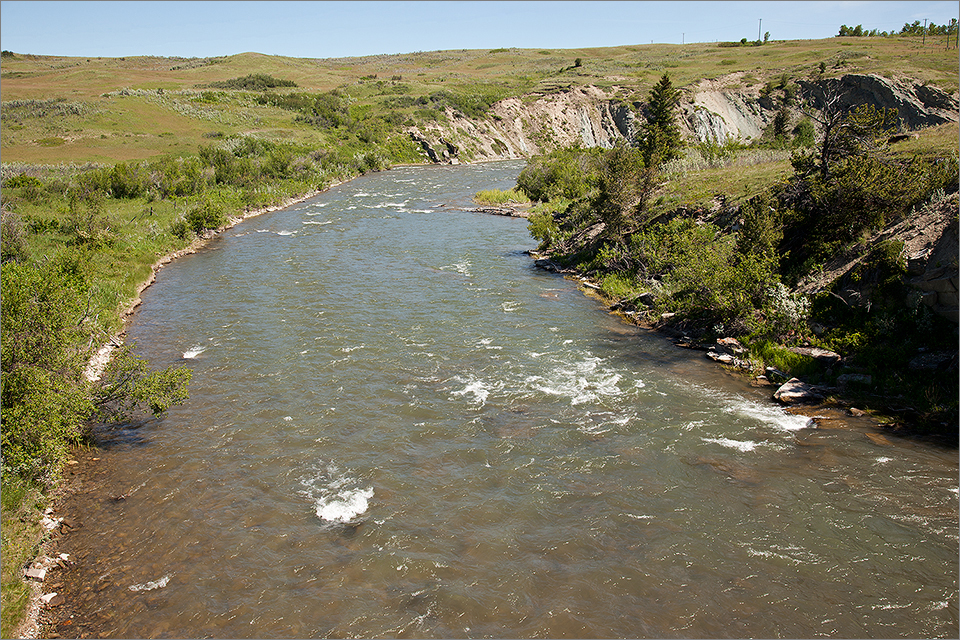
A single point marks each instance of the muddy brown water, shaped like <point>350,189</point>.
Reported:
<point>399,427</point>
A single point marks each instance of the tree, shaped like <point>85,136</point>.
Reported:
<point>766,37</point>
<point>780,123</point>
<point>660,136</point>
<point>845,133</point>
<point>46,399</point>
<point>621,188</point>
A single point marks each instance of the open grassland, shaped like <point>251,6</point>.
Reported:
<point>142,107</point>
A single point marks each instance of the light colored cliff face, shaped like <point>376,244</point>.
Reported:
<point>717,110</point>
<point>723,110</point>
<point>522,127</point>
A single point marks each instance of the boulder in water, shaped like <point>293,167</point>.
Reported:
<point>795,391</point>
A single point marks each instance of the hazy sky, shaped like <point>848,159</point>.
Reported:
<point>337,29</point>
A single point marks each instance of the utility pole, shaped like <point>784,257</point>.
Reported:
<point>683,39</point>
<point>759,29</point>
<point>924,32</point>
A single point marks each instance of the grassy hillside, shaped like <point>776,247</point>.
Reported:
<point>113,108</point>
<point>109,163</point>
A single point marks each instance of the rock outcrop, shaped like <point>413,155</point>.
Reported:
<point>521,127</point>
<point>918,105</point>
<point>717,110</point>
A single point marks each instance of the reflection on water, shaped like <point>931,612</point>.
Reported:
<point>398,427</point>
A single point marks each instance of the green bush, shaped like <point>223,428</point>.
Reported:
<point>44,394</point>
<point>206,215</point>
<point>127,180</point>
<point>13,237</point>
<point>701,274</point>
<point>253,82</point>
<point>568,173</point>
<point>21,181</point>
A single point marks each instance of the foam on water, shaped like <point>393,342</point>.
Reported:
<point>475,387</point>
<point>461,267</point>
<point>584,381</point>
<point>193,352</point>
<point>740,445</point>
<point>150,586</point>
<point>772,415</point>
<point>768,414</point>
<point>337,496</point>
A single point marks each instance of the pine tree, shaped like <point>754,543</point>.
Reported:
<point>661,140</point>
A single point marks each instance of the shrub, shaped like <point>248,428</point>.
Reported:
<point>21,181</point>
<point>544,228</point>
<point>621,188</point>
<point>206,215</point>
<point>127,180</point>
<point>13,237</point>
<point>44,395</point>
<point>252,82</point>
<point>804,134</point>
<point>699,272</point>
<point>569,173</point>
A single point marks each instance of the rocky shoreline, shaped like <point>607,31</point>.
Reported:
<point>818,402</point>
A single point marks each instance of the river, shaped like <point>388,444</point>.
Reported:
<point>398,427</point>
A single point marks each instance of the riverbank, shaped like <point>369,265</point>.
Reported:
<point>100,360</point>
<point>792,393</point>
<point>48,559</point>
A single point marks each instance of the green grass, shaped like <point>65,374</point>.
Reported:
<point>769,354</point>
<point>100,131</point>
<point>22,506</point>
<point>498,196</point>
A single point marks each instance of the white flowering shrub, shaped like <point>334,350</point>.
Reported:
<point>788,310</point>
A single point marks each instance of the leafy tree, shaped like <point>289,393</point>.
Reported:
<point>44,395</point>
<point>47,329</point>
<point>845,133</point>
<point>660,136</point>
<point>621,188</point>
<point>128,385</point>
<point>569,173</point>
<point>761,231</point>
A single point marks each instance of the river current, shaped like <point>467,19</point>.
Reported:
<point>398,427</point>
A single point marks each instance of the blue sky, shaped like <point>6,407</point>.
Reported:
<point>340,29</point>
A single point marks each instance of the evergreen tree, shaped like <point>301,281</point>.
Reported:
<point>620,189</point>
<point>661,139</point>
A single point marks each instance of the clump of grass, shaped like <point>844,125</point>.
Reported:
<point>770,354</point>
<point>498,196</point>
<point>22,535</point>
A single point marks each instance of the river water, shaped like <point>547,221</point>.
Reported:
<point>398,427</point>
